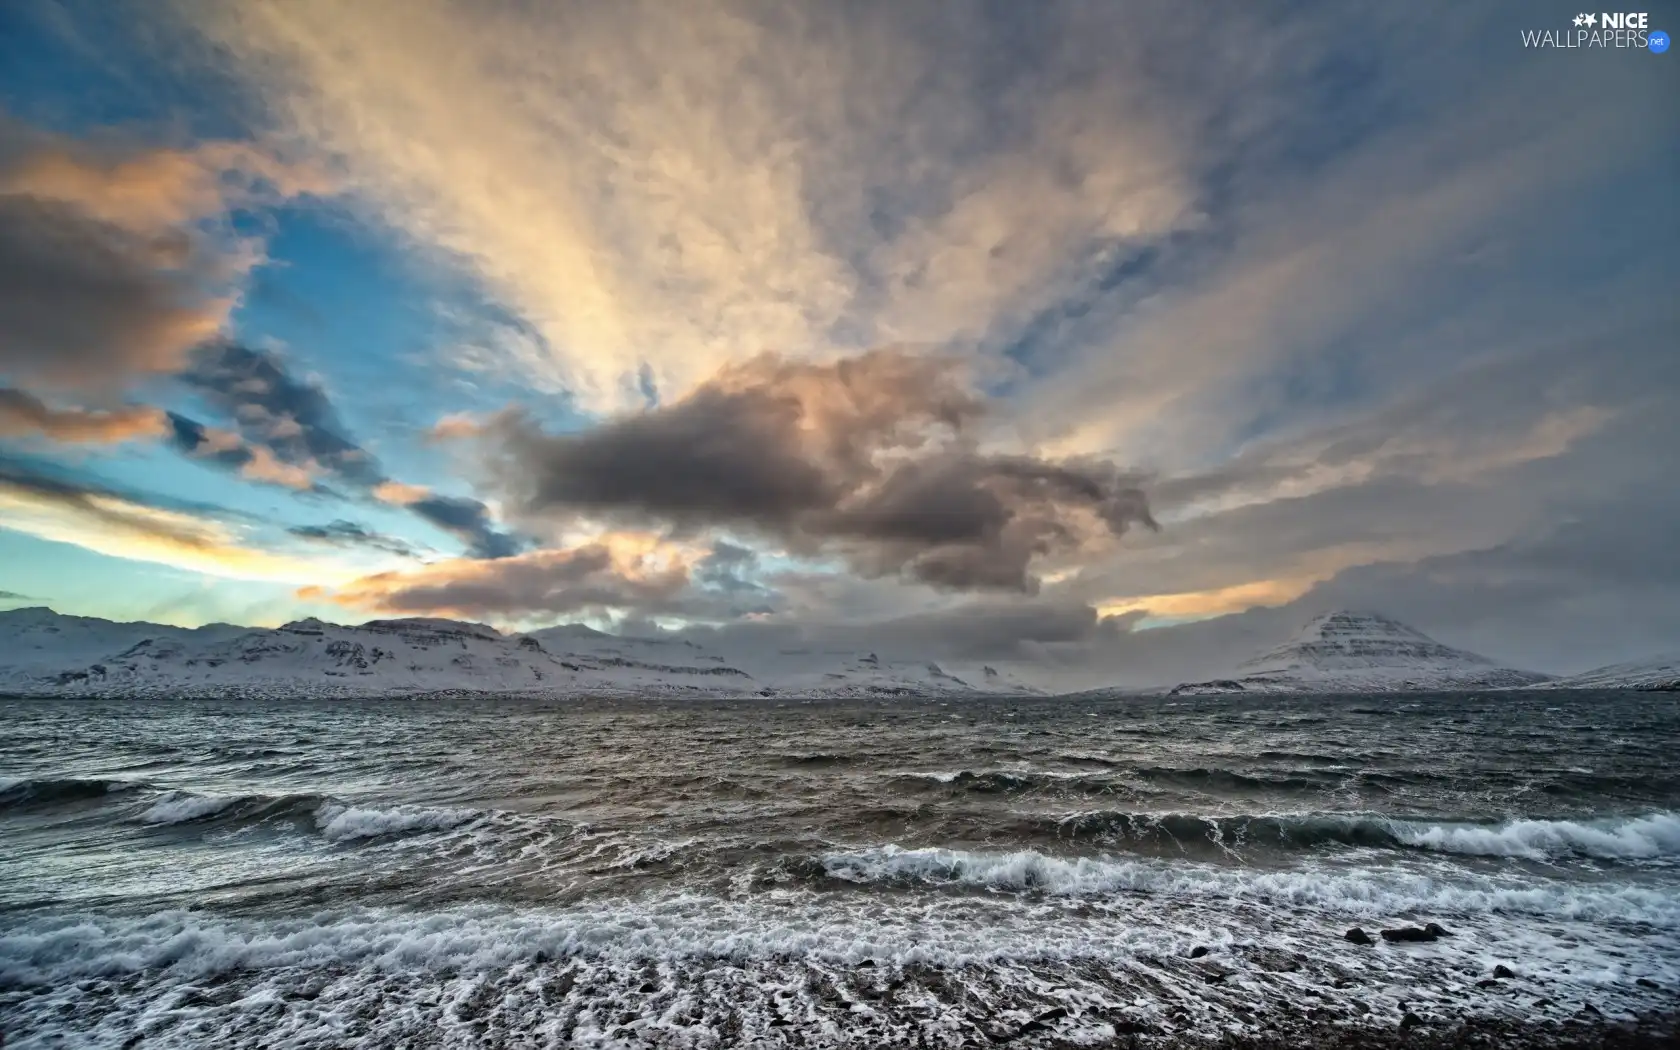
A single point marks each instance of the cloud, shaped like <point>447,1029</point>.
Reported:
<point>341,533</point>
<point>612,574</point>
<point>790,179</point>
<point>13,596</point>
<point>469,521</point>
<point>292,418</point>
<point>293,437</point>
<point>868,456</point>
<point>121,525</point>
<point>399,493</point>
<point>84,304</point>
<point>23,413</point>
<point>229,451</point>
<point>111,261</point>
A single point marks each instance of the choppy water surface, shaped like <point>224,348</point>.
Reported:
<point>389,873</point>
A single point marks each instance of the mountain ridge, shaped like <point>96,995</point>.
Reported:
<point>45,652</point>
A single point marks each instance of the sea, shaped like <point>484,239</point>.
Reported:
<point>523,872</point>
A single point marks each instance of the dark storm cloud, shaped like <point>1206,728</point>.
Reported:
<point>341,533</point>
<point>85,303</point>
<point>292,417</point>
<point>469,521</point>
<point>870,456</point>
<point>13,596</point>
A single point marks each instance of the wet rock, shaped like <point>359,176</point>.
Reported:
<point>1589,1008</point>
<point>1502,971</point>
<point>648,988</point>
<point>1541,1003</point>
<point>1127,1026</point>
<point>1357,936</point>
<point>1198,951</point>
<point>1409,934</point>
<point>867,964</point>
<point>132,1041</point>
<point>1436,929</point>
<point>1411,1020</point>
<point>1216,978</point>
<point>1646,982</point>
<point>1041,1022</point>
<point>1487,982</point>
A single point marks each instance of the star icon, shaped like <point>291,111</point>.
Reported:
<point>1580,20</point>
<point>1592,20</point>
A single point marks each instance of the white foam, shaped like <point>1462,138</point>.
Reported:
<point>179,807</point>
<point>1638,838</point>
<point>741,961</point>
<point>340,823</point>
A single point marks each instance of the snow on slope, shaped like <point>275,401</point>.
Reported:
<point>1364,652</point>
<point>43,652</point>
<point>1662,675</point>
<point>820,673</point>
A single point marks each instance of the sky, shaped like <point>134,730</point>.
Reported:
<point>1103,337</point>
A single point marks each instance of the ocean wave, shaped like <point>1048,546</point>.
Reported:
<point>179,807</point>
<point>335,820</point>
<point>1636,838</point>
<point>340,823</point>
<point>1639,838</point>
<point>26,793</point>
<point>1370,893</point>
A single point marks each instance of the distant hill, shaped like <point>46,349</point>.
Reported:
<point>1348,651</point>
<point>1661,675</point>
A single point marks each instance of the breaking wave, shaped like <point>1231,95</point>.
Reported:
<point>340,823</point>
<point>335,820</point>
<point>1642,838</point>
<point>1638,838</point>
<point>1361,894</point>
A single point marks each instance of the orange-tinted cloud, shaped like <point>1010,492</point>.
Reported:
<point>115,260</point>
<point>615,572</point>
<point>23,413</point>
<point>121,526</point>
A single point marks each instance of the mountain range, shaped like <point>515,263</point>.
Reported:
<point>44,652</point>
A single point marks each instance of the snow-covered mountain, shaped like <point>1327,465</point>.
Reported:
<point>44,652</point>
<point>1662,675</point>
<point>1363,652</point>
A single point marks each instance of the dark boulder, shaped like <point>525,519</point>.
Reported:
<point>1502,971</point>
<point>1198,951</point>
<point>1409,934</point>
<point>1358,936</point>
<point>1411,1020</point>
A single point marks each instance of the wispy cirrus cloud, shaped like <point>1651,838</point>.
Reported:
<point>792,180</point>
<point>125,525</point>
